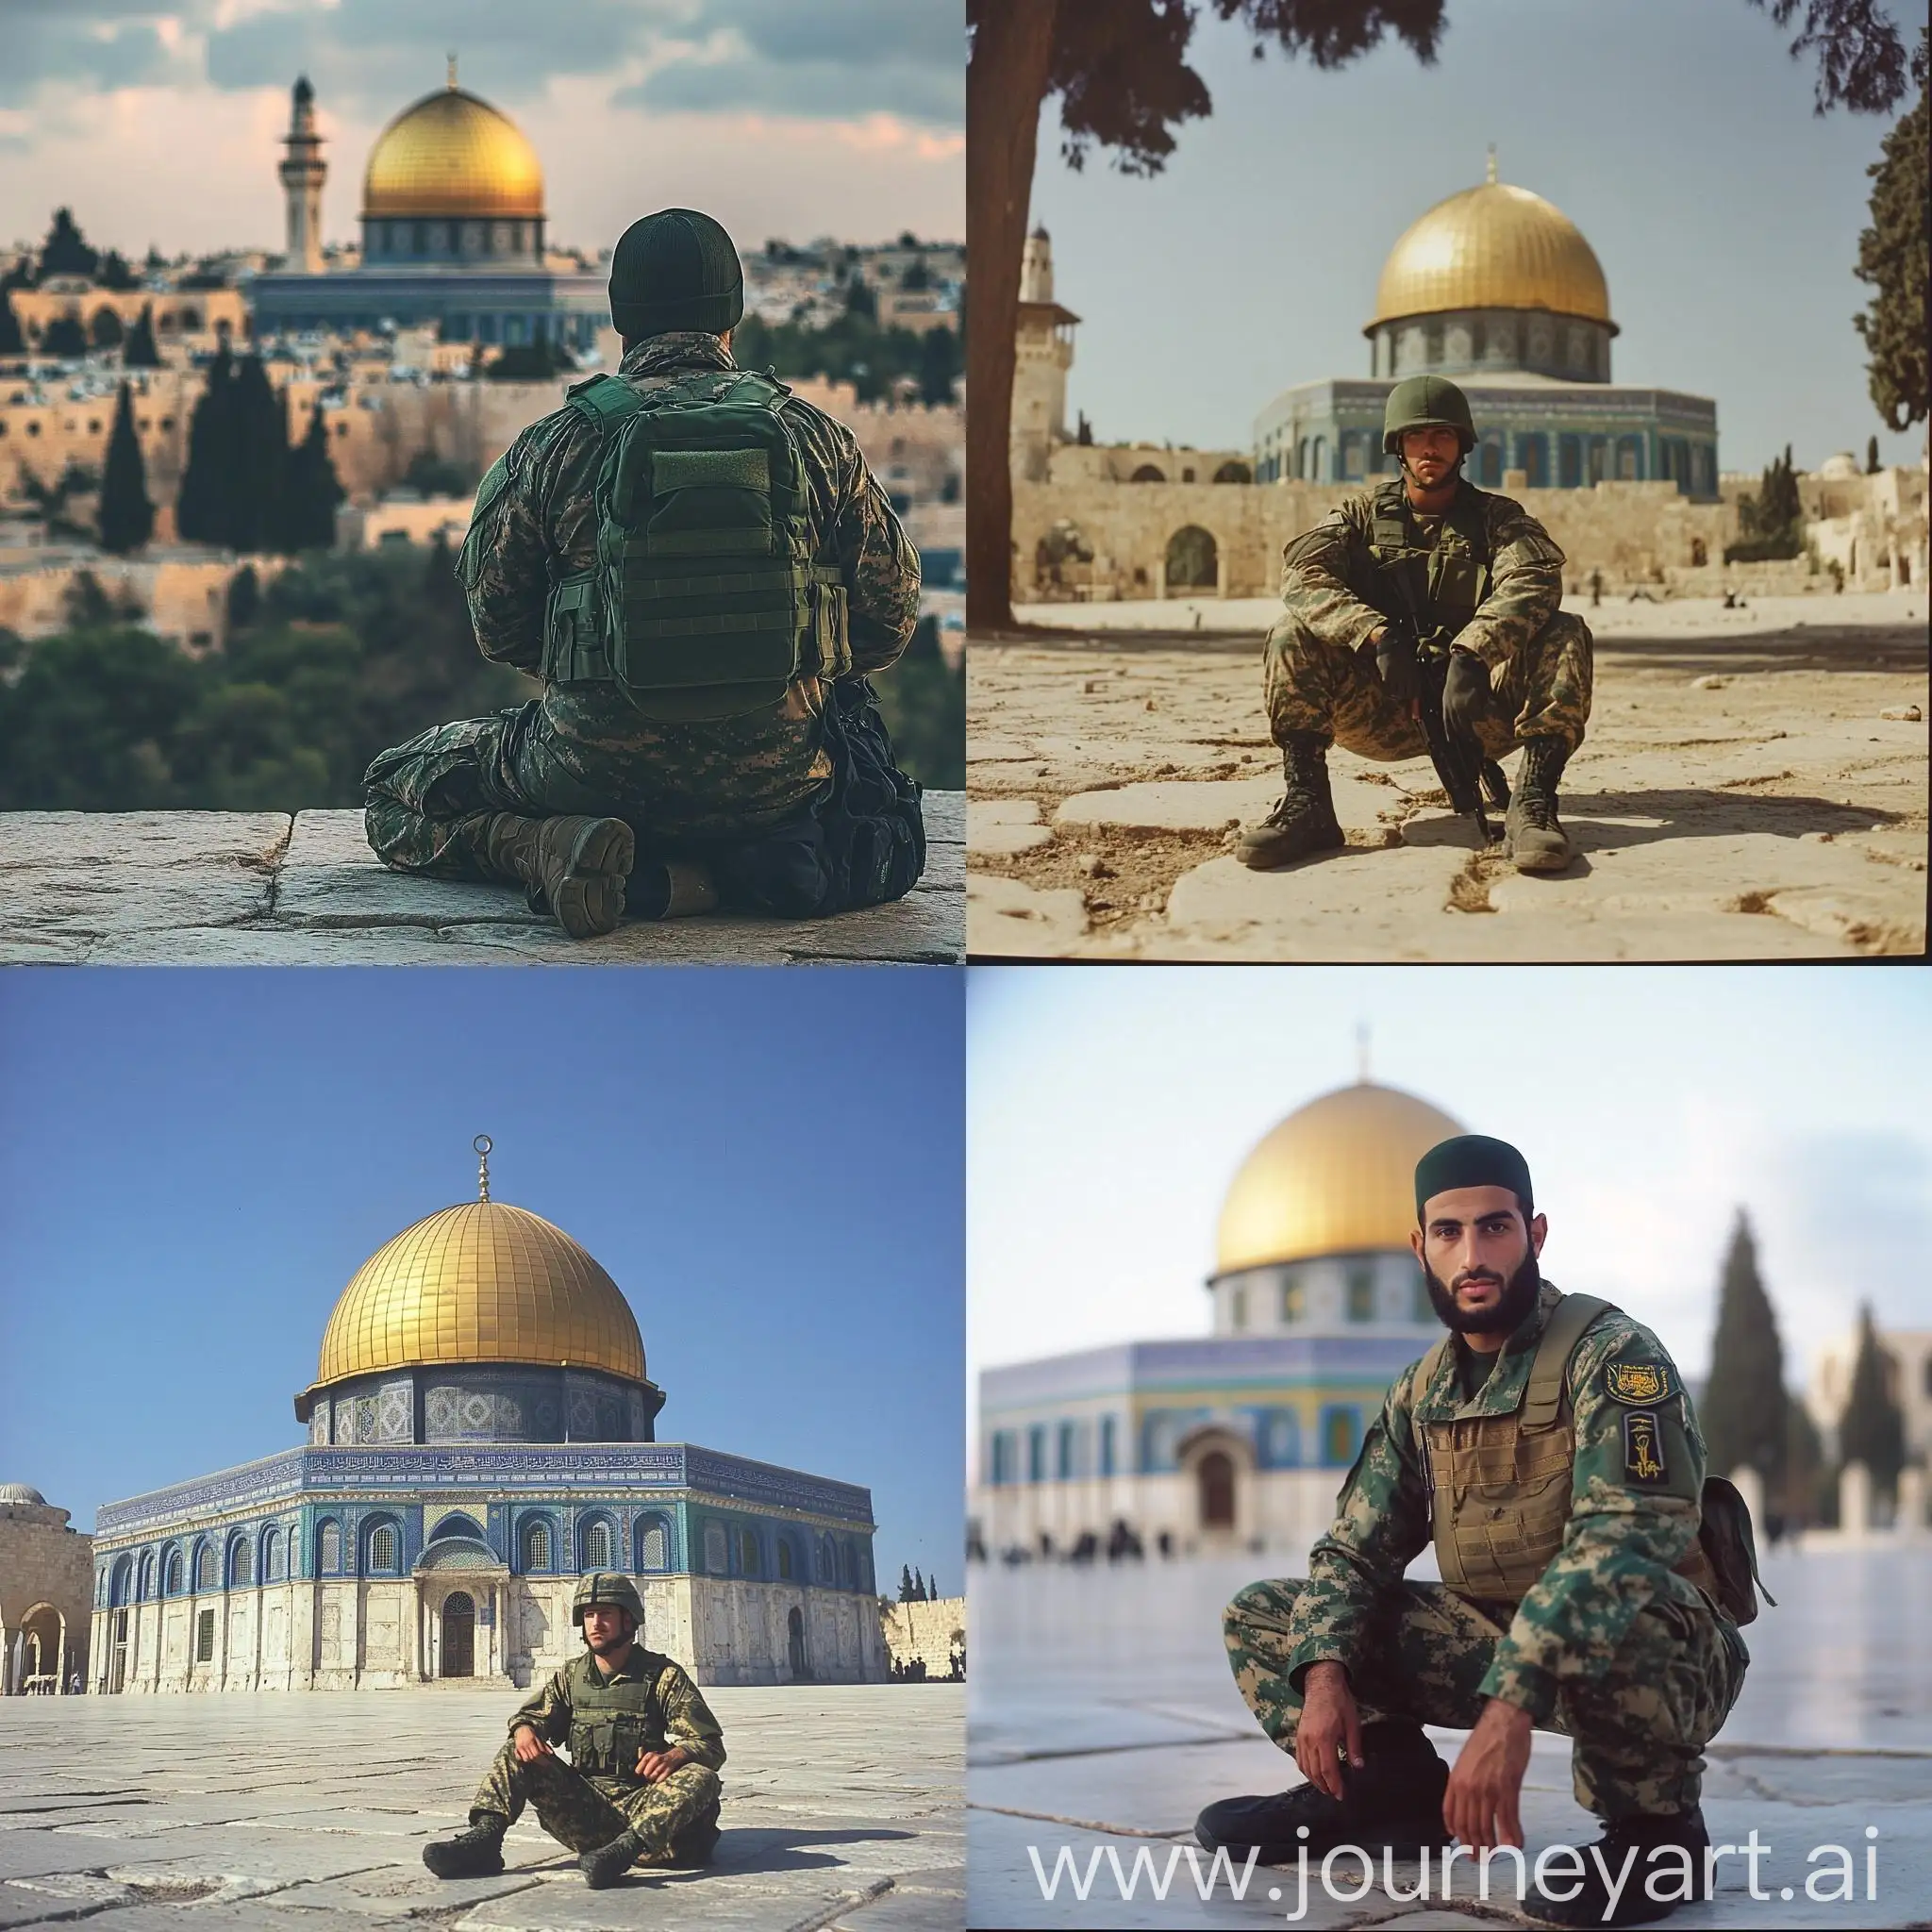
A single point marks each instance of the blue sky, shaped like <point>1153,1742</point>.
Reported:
<point>1680,138</point>
<point>1109,1110</point>
<point>768,1163</point>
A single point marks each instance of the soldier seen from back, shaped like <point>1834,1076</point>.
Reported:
<point>641,1783</point>
<point>1592,1584</point>
<point>701,570</point>
<point>1425,590</point>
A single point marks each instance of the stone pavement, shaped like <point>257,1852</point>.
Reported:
<point>1102,1718</point>
<point>307,1813</point>
<point>263,888</point>
<point>1754,786</point>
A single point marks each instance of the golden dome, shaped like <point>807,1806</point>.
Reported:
<point>1336,1177</point>
<point>453,154</point>
<point>1492,246</point>
<point>483,1282</point>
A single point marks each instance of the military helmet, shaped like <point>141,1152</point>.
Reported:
<point>606,1587</point>
<point>1425,402</point>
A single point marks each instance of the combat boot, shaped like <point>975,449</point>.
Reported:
<point>473,1853</point>
<point>1304,821</point>
<point>1394,1799</point>
<point>609,1863</point>
<point>574,866</point>
<point>1531,835</point>
<point>1632,1839</point>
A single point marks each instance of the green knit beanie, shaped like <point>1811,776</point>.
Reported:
<point>674,270</point>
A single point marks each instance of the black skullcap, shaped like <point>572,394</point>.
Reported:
<point>674,270</point>
<point>1471,1160</point>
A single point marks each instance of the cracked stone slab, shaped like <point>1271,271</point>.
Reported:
<point>1364,806</point>
<point>331,879</point>
<point>1006,917</point>
<point>999,828</point>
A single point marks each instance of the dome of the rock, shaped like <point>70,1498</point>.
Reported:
<point>452,154</point>
<point>1337,1177</point>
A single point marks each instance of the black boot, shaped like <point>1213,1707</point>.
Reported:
<point>473,1853</point>
<point>574,865</point>
<point>1531,835</point>
<point>1635,1906</point>
<point>1394,1799</point>
<point>609,1863</point>
<point>1304,821</point>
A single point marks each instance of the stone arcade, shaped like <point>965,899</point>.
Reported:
<point>481,1429</point>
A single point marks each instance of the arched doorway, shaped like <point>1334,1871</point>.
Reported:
<point>458,1635</point>
<point>1194,561</point>
<point>40,1649</point>
<point>1214,1481</point>
<point>795,1644</point>
<point>1147,473</point>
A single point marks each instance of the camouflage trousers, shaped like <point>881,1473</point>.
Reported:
<point>1333,691</point>
<point>676,1817</point>
<point>1639,1727</point>
<point>583,748</point>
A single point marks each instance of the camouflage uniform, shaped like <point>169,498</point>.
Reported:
<point>675,1817</point>
<point>1611,1646</point>
<point>583,748</point>
<point>1320,669</point>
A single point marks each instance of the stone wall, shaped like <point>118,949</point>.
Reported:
<point>928,1633</point>
<point>184,596</point>
<point>46,1580</point>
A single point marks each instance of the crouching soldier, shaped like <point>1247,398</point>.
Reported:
<point>641,1783</point>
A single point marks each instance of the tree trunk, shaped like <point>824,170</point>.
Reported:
<point>1005,85</point>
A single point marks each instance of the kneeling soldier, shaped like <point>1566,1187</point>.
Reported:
<point>641,1783</point>
<point>1593,1581</point>
<point>1425,555</point>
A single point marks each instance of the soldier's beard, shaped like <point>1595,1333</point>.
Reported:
<point>1518,1298</point>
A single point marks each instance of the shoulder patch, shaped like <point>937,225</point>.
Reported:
<point>1644,1448</point>
<point>1638,1383</point>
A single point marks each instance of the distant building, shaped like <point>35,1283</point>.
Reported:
<point>1238,1438</point>
<point>1908,1376</point>
<point>46,1570</point>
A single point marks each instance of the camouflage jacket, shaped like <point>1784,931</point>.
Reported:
<point>1619,1548</point>
<point>544,524</point>
<point>687,1720</point>
<point>1328,580</point>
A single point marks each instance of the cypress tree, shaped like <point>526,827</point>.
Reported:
<point>127,518</point>
<point>312,492</point>
<point>12,341</point>
<point>904,1583</point>
<point>1743,1407</point>
<point>139,351</point>
<point>1893,258</point>
<point>261,459</point>
<point>201,512</point>
<point>1871,1431</point>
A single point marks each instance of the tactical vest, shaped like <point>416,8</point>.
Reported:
<point>706,600</point>
<point>1438,588</point>
<point>1499,1485</point>
<point>612,1720</point>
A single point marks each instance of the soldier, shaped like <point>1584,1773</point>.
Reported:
<point>641,1783</point>
<point>701,568</point>
<point>1439,557</point>
<point>1548,1445</point>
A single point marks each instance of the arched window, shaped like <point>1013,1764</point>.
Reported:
<point>384,1550</point>
<point>596,1547</point>
<point>147,1576</point>
<point>747,1553</point>
<point>271,1557</point>
<point>785,1560</point>
<point>330,1560</point>
<point>455,1525</point>
<point>206,1571</point>
<point>1215,1477</point>
<point>1193,559</point>
<point>240,1564</point>
<point>828,1562</point>
<point>536,1546</point>
<point>173,1574</point>
<point>654,1545</point>
<point>717,1556</point>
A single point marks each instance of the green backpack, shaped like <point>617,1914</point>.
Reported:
<point>706,600</point>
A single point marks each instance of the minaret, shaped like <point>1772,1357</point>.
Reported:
<point>302,173</point>
<point>1042,355</point>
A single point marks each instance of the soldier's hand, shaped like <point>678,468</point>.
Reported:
<point>1480,1805</point>
<point>1395,665</point>
<point>1331,1727</point>
<point>653,1767</point>
<point>529,1746</point>
<point>1465,692</point>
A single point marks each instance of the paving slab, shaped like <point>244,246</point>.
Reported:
<point>1005,826</point>
<point>261,888</point>
<point>310,1810</point>
<point>1742,793</point>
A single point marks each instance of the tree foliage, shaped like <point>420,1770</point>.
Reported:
<point>1773,521</point>
<point>139,350</point>
<point>1861,56</point>
<point>1894,257</point>
<point>243,488</point>
<point>854,349</point>
<point>311,491</point>
<point>64,338</point>
<point>1871,1430</point>
<point>65,251</point>
<point>1743,1407</point>
<point>12,341</point>
<point>127,516</point>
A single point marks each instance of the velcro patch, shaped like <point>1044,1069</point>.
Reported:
<point>1638,1382</point>
<point>1644,1447</point>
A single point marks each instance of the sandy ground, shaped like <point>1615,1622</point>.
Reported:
<point>1754,786</point>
